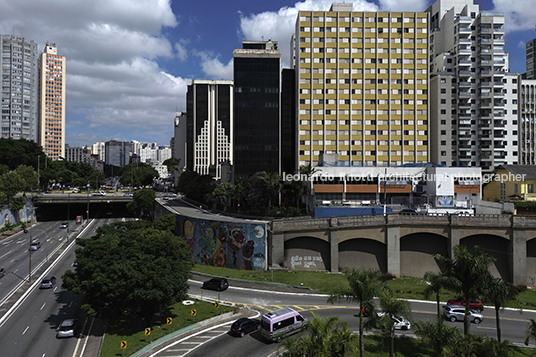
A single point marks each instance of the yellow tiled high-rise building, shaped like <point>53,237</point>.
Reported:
<point>362,86</point>
<point>51,134</point>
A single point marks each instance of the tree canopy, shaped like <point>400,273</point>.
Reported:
<point>21,152</point>
<point>137,174</point>
<point>136,268</point>
<point>142,204</point>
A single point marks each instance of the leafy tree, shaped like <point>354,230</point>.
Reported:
<point>435,283</point>
<point>30,180</point>
<point>21,152</point>
<point>498,292</point>
<point>323,338</point>
<point>130,268</point>
<point>531,332</point>
<point>467,273</point>
<point>392,307</point>
<point>137,174</point>
<point>11,183</point>
<point>479,346</point>
<point>142,204</point>
<point>194,186</point>
<point>436,334</point>
<point>365,284</point>
<point>224,192</point>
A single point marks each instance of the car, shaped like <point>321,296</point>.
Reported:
<point>457,312</point>
<point>35,245</point>
<point>408,210</point>
<point>217,284</point>
<point>2,272</point>
<point>127,194</point>
<point>243,326</point>
<point>473,304</point>
<point>47,283</point>
<point>64,225</point>
<point>400,322</point>
<point>66,328</point>
<point>100,193</point>
<point>76,190</point>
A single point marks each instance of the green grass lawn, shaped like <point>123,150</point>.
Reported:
<point>132,330</point>
<point>327,283</point>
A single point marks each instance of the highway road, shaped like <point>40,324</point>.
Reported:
<point>30,330</point>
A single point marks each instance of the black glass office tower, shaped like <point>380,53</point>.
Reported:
<point>257,108</point>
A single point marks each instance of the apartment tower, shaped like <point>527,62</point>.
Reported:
<point>471,124</point>
<point>209,124</point>
<point>52,102</point>
<point>19,87</point>
<point>257,103</point>
<point>362,86</point>
<point>530,51</point>
<point>527,121</point>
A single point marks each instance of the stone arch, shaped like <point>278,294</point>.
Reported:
<point>497,247</point>
<point>417,252</point>
<point>362,253</point>
<point>307,253</point>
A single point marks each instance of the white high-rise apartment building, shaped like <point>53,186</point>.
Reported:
<point>52,102</point>
<point>527,121</point>
<point>472,119</point>
<point>18,62</point>
<point>99,149</point>
<point>362,86</point>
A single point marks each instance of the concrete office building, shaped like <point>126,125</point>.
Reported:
<point>19,87</point>
<point>530,51</point>
<point>117,153</point>
<point>179,139</point>
<point>78,154</point>
<point>527,121</point>
<point>471,124</point>
<point>209,127</point>
<point>51,135</point>
<point>99,149</point>
<point>257,108</point>
<point>362,86</point>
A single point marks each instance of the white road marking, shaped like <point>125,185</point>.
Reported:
<point>5,254</point>
<point>7,242</point>
<point>43,306</point>
<point>26,329</point>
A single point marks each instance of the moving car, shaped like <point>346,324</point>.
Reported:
<point>217,284</point>
<point>243,326</point>
<point>66,328</point>
<point>473,304</point>
<point>47,283</point>
<point>2,272</point>
<point>281,323</point>
<point>457,312</point>
<point>35,245</point>
<point>400,322</point>
<point>64,225</point>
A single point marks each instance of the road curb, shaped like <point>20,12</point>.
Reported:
<point>265,283</point>
<point>190,329</point>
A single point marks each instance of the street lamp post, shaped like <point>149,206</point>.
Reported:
<point>87,211</point>
<point>68,212</point>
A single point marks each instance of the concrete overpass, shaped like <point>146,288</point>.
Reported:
<point>403,244</point>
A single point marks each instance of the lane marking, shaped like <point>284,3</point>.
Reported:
<point>5,254</point>
<point>43,306</point>
<point>26,329</point>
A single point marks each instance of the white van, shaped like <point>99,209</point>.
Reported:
<point>280,323</point>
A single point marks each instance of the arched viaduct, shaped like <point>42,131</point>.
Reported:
<point>404,245</point>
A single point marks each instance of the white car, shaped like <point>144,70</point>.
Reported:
<point>457,312</point>
<point>100,193</point>
<point>400,322</point>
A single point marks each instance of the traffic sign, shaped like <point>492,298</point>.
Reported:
<point>147,331</point>
<point>217,304</point>
<point>169,320</point>
<point>193,312</point>
<point>123,345</point>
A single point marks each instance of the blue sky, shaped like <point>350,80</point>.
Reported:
<point>129,61</point>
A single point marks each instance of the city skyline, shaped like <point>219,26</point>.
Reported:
<point>127,70</point>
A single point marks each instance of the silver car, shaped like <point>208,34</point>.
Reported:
<point>457,312</point>
<point>35,245</point>
<point>66,328</point>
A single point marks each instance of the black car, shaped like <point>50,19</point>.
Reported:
<point>243,326</point>
<point>48,283</point>
<point>217,284</point>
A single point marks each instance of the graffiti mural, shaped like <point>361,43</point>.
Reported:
<point>234,245</point>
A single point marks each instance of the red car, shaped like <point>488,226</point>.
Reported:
<point>473,304</point>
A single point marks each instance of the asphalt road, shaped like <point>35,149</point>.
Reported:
<point>31,329</point>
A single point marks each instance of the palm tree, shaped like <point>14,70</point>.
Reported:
<point>499,292</point>
<point>365,284</point>
<point>466,273</point>
<point>531,332</point>
<point>321,337</point>
<point>435,283</point>
<point>392,307</point>
<point>436,334</point>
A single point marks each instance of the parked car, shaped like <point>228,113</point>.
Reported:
<point>47,283</point>
<point>2,272</point>
<point>35,245</point>
<point>400,322</point>
<point>64,225</point>
<point>457,312</point>
<point>243,326</point>
<point>128,194</point>
<point>473,304</point>
<point>217,284</point>
<point>66,328</point>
